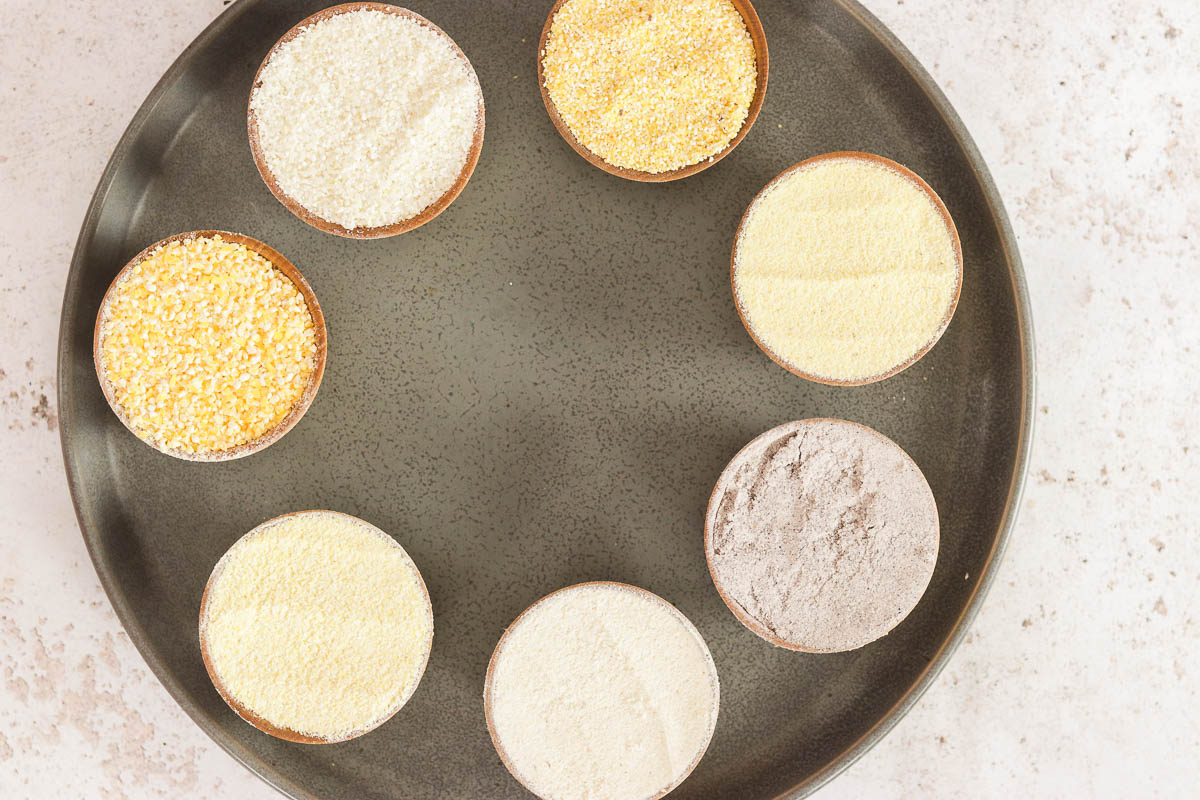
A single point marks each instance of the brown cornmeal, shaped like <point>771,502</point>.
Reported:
<point>650,85</point>
<point>822,535</point>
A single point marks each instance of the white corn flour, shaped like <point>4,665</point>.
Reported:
<point>366,118</point>
<point>602,692</point>
<point>319,623</point>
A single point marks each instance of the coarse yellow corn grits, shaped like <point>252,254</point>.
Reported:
<point>206,346</point>
<point>651,85</point>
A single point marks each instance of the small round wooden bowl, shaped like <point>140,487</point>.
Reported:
<point>280,263</point>
<point>752,624</point>
<point>487,683</point>
<point>904,172</point>
<point>379,231</point>
<point>762,64</point>
<point>256,720</point>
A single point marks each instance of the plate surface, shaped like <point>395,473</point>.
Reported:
<point>540,388</point>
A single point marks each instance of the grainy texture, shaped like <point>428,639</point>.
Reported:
<point>318,623</point>
<point>845,269</point>
<point>366,118</point>
<point>1051,99</point>
<point>600,691</point>
<point>651,85</point>
<point>823,533</point>
<point>206,346</point>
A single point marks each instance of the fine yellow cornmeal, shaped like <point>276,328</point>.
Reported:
<point>845,269</point>
<point>319,623</point>
<point>205,346</point>
<point>651,85</point>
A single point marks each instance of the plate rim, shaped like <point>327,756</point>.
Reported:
<point>1016,488</point>
<point>852,752</point>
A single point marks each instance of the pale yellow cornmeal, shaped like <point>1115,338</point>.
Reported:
<point>318,623</point>
<point>845,269</point>
<point>651,85</point>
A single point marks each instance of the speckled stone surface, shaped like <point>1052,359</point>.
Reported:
<point>1087,644</point>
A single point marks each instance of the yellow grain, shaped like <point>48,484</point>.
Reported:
<point>319,623</point>
<point>206,346</point>
<point>651,85</point>
<point>845,269</point>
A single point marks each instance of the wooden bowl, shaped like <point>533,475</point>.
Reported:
<point>916,180</point>
<point>314,308</point>
<point>256,720</point>
<point>379,231</point>
<point>487,683</point>
<point>752,624</point>
<point>762,64</point>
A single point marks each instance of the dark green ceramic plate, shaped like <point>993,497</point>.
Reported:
<point>540,387</point>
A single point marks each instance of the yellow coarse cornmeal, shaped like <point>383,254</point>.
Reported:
<point>651,85</point>
<point>205,346</point>
<point>845,269</point>
<point>319,623</point>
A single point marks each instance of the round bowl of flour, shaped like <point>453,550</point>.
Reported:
<point>821,535</point>
<point>316,627</point>
<point>846,268</point>
<point>601,690</point>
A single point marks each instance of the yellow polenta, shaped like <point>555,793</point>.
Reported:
<point>651,85</point>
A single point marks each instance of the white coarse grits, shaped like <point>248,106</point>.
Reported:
<point>602,691</point>
<point>366,118</point>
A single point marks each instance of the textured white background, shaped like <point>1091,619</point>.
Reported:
<point>1079,676</point>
